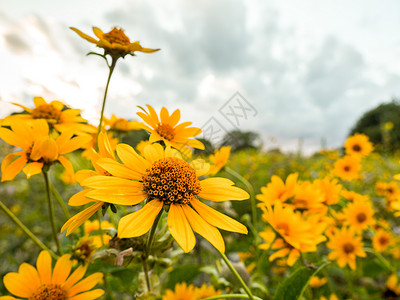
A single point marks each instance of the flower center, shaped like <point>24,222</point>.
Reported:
<point>357,148</point>
<point>117,36</point>
<point>84,250</point>
<point>346,168</point>
<point>348,248</point>
<point>283,228</point>
<point>48,112</point>
<point>171,180</point>
<point>361,217</point>
<point>166,131</point>
<point>49,292</point>
<point>383,240</point>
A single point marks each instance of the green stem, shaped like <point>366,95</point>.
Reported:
<point>146,274</point>
<point>60,201</point>
<point>252,198</point>
<point>236,274</point>
<point>29,233</point>
<point>381,259</point>
<point>151,235</point>
<point>240,296</point>
<point>51,212</point>
<point>108,287</point>
<point>111,69</point>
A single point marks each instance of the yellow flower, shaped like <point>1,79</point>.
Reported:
<point>309,197</point>
<point>331,297</point>
<point>97,240</point>
<point>87,153</point>
<point>166,129</point>
<point>316,282</point>
<point>219,159</point>
<point>56,114</point>
<point>84,249</point>
<point>347,168</point>
<point>121,124</point>
<point>206,291</point>
<point>181,292</point>
<point>277,190</point>
<point>393,285</point>
<point>141,146</point>
<point>358,145</point>
<point>39,148</point>
<point>105,151</point>
<point>330,188</point>
<point>299,233</point>
<point>165,180</point>
<point>382,240</point>
<point>115,43</point>
<point>353,196</point>
<point>359,215</point>
<point>41,283</point>
<point>345,246</point>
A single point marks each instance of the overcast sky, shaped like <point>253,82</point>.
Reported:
<point>305,69</point>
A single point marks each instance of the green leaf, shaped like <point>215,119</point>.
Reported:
<point>186,273</point>
<point>293,287</point>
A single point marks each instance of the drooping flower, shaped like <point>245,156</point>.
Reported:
<point>43,283</point>
<point>359,215</point>
<point>277,190</point>
<point>166,180</point>
<point>347,168</point>
<point>55,113</point>
<point>115,43</point>
<point>167,129</point>
<point>105,151</point>
<point>219,159</point>
<point>121,124</point>
<point>345,246</point>
<point>39,149</point>
<point>358,145</point>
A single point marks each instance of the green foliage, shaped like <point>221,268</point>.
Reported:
<point>241,140</point>
<point>372,123</point>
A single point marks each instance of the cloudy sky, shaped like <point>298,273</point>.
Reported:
<point>303,69</point>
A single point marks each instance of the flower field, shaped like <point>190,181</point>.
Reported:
<point>88,214</point>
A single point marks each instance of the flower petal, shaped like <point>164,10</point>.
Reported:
<point>203,228</point>
<point>84,36</point>
<point>88,295</point>
<point>217,219</point>
<point>43,265</point>
<point>32,169</point>
<point>62,269</point>
<point>13,169</point>
<point>221,189</point>
<point>17,285</point>
<point>139,222</point>
<point>85,285</point>
<point>75,277</point>
<point>179,228</point>
<point>80,218</point>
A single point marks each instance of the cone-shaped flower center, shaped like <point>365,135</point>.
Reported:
<point>117,36</point>
<point>48,112</point>
<point>166,131</point>
<point>348,248</point>
<point>49,292</point>
<point>171,180</point>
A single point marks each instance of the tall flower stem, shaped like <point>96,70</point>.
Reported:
<point>111,69</point>
<point>51,211</point>
<point>252,197</point>
<point>147,249</point>
<point>60,201</point>
<point>236,274</point>
<point>29,233</point>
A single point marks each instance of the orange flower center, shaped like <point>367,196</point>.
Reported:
<point>117,36</point>
<point>49,292</point>
<point>348,248</point>
<point>283,228</point>
<point>356,148</point>
<point>48,112</point>
<point>171,180</point>
<point>361,217</point>
<point>165,131</point>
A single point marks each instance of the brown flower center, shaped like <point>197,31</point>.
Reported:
<point>361,217</point>
<point>356,148</point>
<point>383,240</point>
<point>348,248</point>
<point>84,250</point>
<point>117,36</point>
<point>346,168</point>
<point>166,131</point>
<point>49,292</point>
<point>171,180</point>
<point>48,112</point>
<point>283,228</point>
